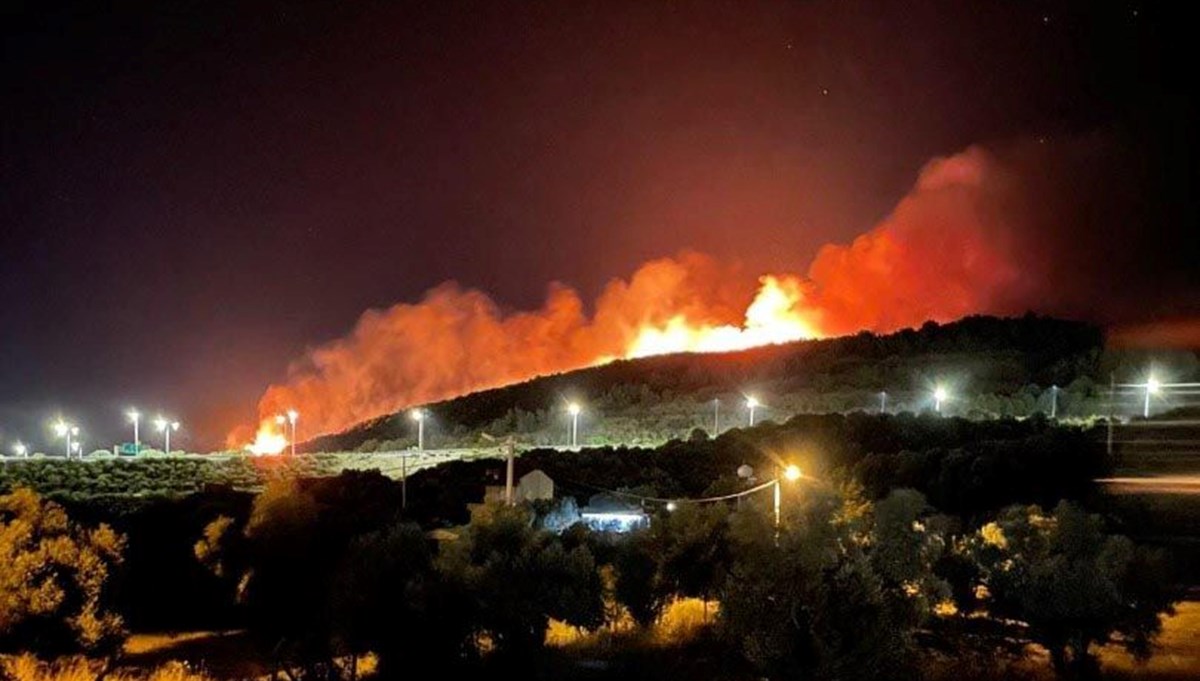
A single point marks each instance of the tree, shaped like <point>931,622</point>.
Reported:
<point>637,584</point>
<point>806,601</point>
<point>520,578</point>
<point>693,548</point>
<point>1072,584</point>
<point>388,598</point>
<point>54,583</point>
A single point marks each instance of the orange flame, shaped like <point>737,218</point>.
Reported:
<point>946,250</point>
<point>267,441</point>
<point>775,316</point>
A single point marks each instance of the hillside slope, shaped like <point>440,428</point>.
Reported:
<point>993,366</point>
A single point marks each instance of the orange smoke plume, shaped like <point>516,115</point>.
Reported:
<point>942,253</point>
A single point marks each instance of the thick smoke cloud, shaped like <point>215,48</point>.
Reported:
<point>1047,227</point>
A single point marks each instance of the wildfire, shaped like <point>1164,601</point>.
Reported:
<point>775,316</point>
<point>267,441</point>
<point>948,249</point>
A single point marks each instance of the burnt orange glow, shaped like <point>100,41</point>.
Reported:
<point>267,440</point>
<point>943,252</point>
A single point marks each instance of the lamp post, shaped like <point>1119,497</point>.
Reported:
<point>67,432</point>
<point>882,402</point>
<point>1152,388</point>
<point>1054,401</point>
<point>20,449</point>
<point>292,417</point>
<point>939,395</point>
<point>791,474</point>
<point>165,427</point>
<point>419,416</point>
<point>573,409</point>
<point>716,416</point>
<point>135,417</point>
<point>751,404</point>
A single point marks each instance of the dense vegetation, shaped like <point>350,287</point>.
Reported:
<point>994,368</point>
<point>326,571</point>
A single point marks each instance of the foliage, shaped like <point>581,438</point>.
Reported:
<point>26,667</point>
<point>637,585</point>
<point>807,600</point>
<point>1072,584</point>
<point>389,576</point>
<point>54,594</point>
<point>520,578</point>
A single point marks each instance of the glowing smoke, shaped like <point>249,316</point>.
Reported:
<point>948,249</point>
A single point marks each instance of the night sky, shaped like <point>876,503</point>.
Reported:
<point>193,193</point>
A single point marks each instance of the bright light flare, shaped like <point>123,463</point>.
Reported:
<point>752,403</point>
<point>792,473</point>
<point>417,415</point>
<point>1153,386</point>
<point>940,394</point>
<point>573,409</point>
<point>267,441</point>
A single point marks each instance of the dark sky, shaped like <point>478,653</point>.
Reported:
<point>192,193</point>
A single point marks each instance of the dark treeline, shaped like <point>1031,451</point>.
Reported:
<point>998,360</point>
<point>970,469</point>
<point>323,571</point>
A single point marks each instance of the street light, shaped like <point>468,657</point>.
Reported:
<point>292,417</point>
<point>939,395</point>
<point>67,431</point>
<point>165,427</point>
<point>419,416</point>
<point>20,449</point>
<point>751,404</point>
<point>791,474</point>
<point>1152,388</point>
<point>574,409</point>
<point>134,416</point>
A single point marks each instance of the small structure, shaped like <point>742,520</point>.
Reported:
<point>533,486</point>
<point>606,513</point>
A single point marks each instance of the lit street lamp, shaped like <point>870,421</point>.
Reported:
<point>165,427</point>
<point>751,404</point>
<point>1152,388</point>
<point>791,474</point>
<point>419,417</point>
<point>20,449</point>
<point>67,431</point>
<point>134,416</point>
<point>939,395</point>
<point>574,410</point>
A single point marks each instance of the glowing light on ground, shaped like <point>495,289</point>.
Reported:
<point>777,315</point>
<point>267,441</point>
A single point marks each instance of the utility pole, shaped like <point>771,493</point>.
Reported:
<point>508,476</point>
<point>1112,389</point>
<point>1054,401</point>
<point>882,402</point>
<point>716,416</point>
